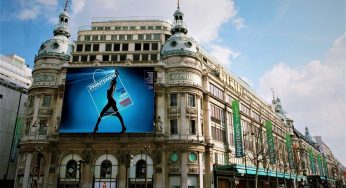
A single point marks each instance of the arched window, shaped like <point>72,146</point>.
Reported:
<point>71,169</point>
<point>106,169</point>
<point>141,168</point>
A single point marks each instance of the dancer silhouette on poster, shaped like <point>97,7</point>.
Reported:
<point>111,103</point>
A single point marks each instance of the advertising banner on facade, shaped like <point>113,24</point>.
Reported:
<point>325,166</point>
<point>289,150</point>
<point>238,143</point>
<point>270,142</point>
<point>320,165</point>
<point>108,100</point>
<point>17,136</point>
<point>312,161</point>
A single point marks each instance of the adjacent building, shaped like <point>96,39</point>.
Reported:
<point>178,111</point>
<point>15,79</point>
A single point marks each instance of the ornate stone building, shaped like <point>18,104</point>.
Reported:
<point>192,144</point>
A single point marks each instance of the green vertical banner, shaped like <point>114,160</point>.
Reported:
<point>325,166</point>
<point>238,143</point>
<point>320,166</point>
<point>270,142</point>
<point>312,161</point>
<point>289,150</point>
<point>17,135</point>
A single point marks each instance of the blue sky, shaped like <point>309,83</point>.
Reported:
<point>296,47</point>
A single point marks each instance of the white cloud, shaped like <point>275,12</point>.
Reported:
<point>28,14</point>
<point>238,22</point>
<point>223,54</point>
<point>314,95</point>
<point>30,10</point>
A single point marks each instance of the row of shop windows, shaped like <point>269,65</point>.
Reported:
<point>115,57</point>
<point>118,47</point>
<point>119,37</point>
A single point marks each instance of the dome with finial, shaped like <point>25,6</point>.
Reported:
<point>60,43</point>
<point>180,43</point>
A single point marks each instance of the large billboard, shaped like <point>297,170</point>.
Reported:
<point>108,100</point>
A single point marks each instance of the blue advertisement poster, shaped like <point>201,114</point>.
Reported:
<point>108,100</point>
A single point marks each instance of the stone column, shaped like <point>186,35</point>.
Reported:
<point>206,119</point>
<point>47,157</point>
<point>201,169</point>
<point>184,169</point>
<point>27,170</point>
<point>183,131</point>
<point>122,175</point>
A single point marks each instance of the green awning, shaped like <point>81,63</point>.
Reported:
<point>241,169</point>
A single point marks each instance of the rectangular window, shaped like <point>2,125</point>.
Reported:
<point>123,57</point>
<point>95,37</point>
<point>153,57</point>
<point>87,38</point>
<point>46,101</point>
<point>154,46</point>
<point>217,92</point>
<point>140,37</point>
<point>105,57</point>
<point>192,128</point>
<point>107,28</point>
<point>92,57</point>
<point>87,47</point>
<point>245,109</point>
<point>125,28</point>
<point>156,36</point>
<point>117,28</point>
<point>79,47</point>
<point>173,99</point>
<point>150,27</point>
<point>146,46</point>
<point>100,28</point>
<point>158,27</point>
<point>103,37</point>
<point>148,37</point>
<point>218,134</point>
<point>75,58</point>
<point>256,116</point>
<point>114,57</point>
<point>143,27</point>
<point>145,57</point>
<point>136,57</point>
<point>191,100</point>
<point>96,47</point>
<point>116,47</point>
<point>217,114</point>
<point>84,58</point>
<point>128,37</point>
<point>132,27</point>
<point>121,37</point>
<point>174,127</point>
<point>138,46</point>
<point>108,47</point>
<point>125,47</point>
<point>114,37</point>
